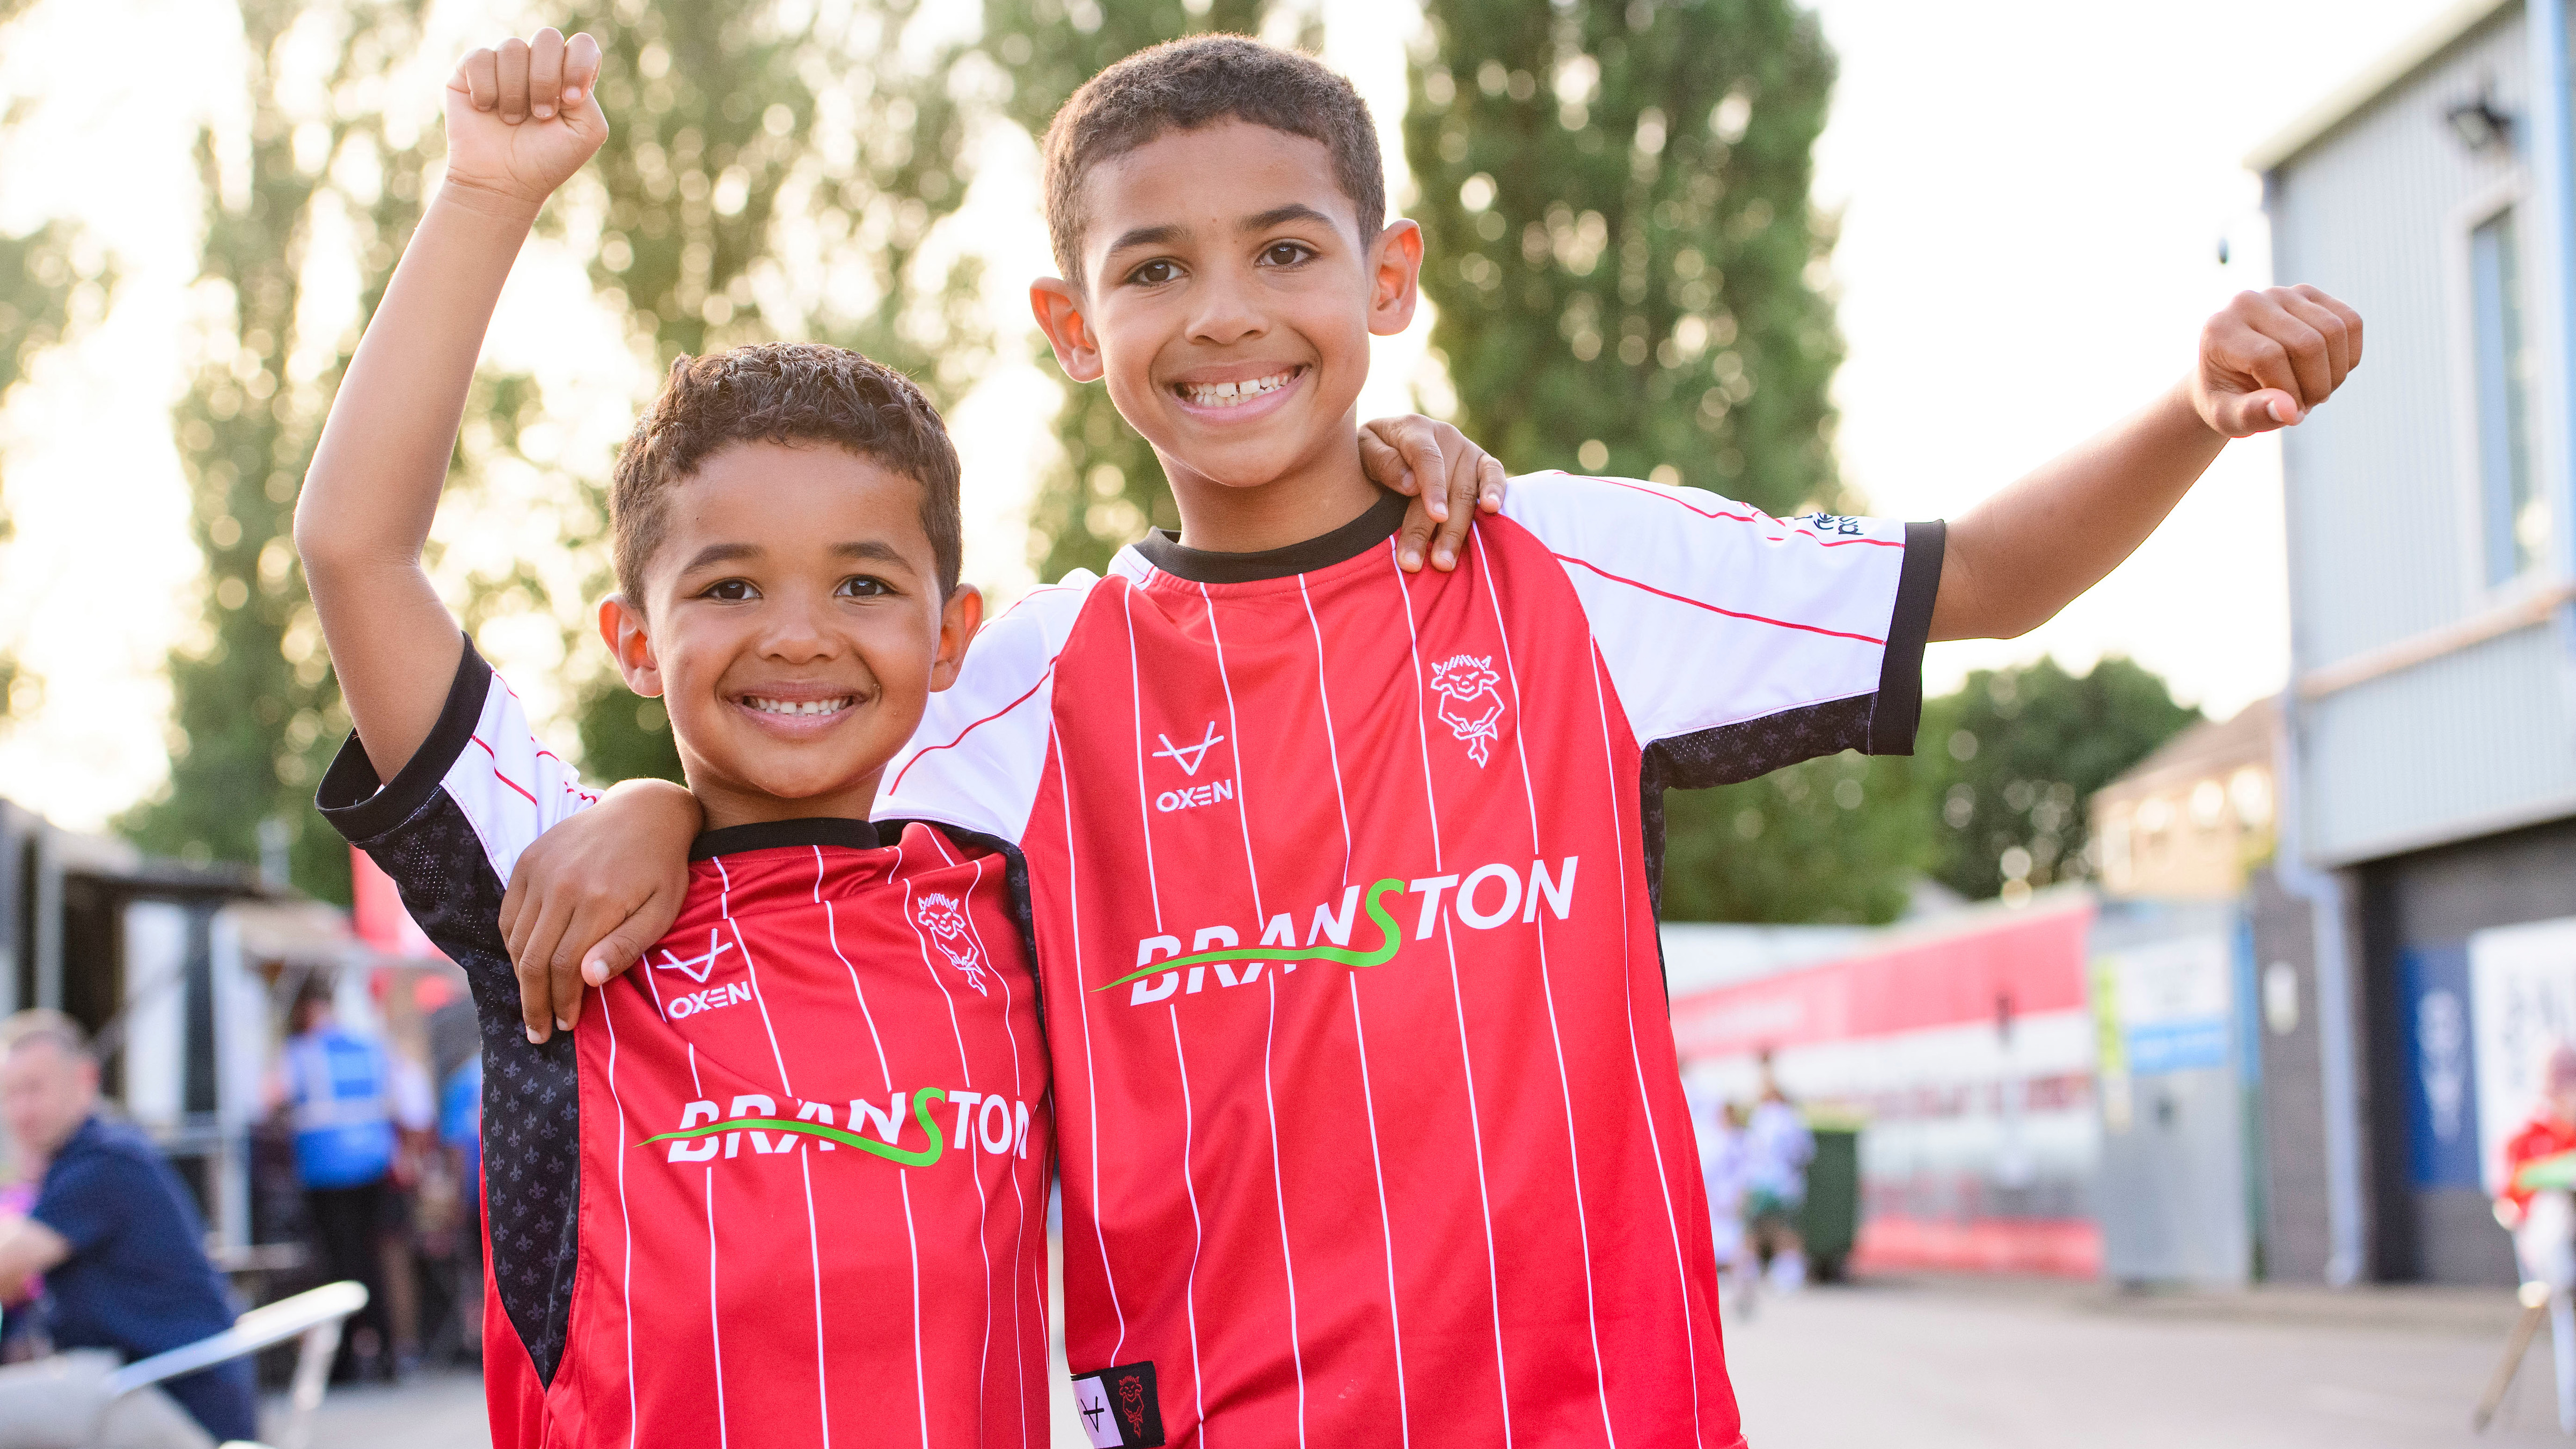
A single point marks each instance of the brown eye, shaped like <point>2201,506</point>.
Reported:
<point>1153,274</point>
<point>731,591</point>
<point>864,586</point>
<point>1286,253</point>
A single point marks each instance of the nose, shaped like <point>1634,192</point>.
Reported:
<point>1227,308</point>
<point>798,632</point>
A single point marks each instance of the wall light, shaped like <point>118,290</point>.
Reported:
<point>2478,123</point>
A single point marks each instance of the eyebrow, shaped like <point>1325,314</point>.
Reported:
<point>870,549</point>
<point>1153,236</point>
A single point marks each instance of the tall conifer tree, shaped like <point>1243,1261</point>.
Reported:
<point>1629,280</point>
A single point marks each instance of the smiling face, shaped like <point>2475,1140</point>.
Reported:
<point>1228,299</point>
<point>793,626</point>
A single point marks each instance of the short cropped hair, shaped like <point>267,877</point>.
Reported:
<point>46,1025</point>
<point>780,392</point>
<point>1185,85</point>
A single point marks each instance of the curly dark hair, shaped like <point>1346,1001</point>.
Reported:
<point>1183,85</point>
<point>780,392</point>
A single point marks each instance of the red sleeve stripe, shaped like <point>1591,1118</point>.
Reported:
<point>504,779</point>
<point>1748,517</point>
<point>970,729</point>
<point>1714,609</point>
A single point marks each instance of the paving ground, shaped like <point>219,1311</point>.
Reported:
<point>1949,1364</point>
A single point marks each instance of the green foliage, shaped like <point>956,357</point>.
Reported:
<point>255,712</point>
<point>1837,840</point>
<point>37,279</point>
<point>1107,487</point>
<point>1618,237</point>
<point>2015,756</point>
<point>727,119</point>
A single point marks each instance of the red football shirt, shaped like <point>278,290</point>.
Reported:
<point>1371,1124</point>
<point>786,1184</point>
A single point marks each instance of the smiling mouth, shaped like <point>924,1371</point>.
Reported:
<point>1234,394</point>
<point>802,708</point>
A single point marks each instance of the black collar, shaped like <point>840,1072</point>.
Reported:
<point>1162,548</point>
<point>773,834</point>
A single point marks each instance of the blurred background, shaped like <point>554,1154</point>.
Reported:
<point>2164,1016</point>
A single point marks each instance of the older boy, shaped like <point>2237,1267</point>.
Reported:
<point>1343,878</point>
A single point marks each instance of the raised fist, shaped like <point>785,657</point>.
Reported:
<point>2269,357</point>
<point>523,116</point>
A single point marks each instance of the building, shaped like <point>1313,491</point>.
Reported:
<point>2423,921</point>
<point>2190,821</point>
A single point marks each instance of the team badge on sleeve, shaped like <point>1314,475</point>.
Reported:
<point>1118,1407</point>
<point>1468,703</point>
<point>945,920</point>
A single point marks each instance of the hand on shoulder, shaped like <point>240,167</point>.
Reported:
<point>522,117</point>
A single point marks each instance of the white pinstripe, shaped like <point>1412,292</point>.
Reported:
<point>1019,1349</point>
<point>1547,993</point>
<point>1269,1101</point>
<point>1198,1232</point>
<point>787,1088</point>
<point>1090,1082</point>
<point>1136,712</point>
<point>1645,1103</point>
<point>1458,996</point>
<point>625,1225</point>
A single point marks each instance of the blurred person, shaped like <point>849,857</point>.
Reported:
<point>2544,1232</point>
<point>419,1162</point>
<point>337,1086</point>
<point>122,1251</point>
<point>1218,216</point>
<point>1778,1148</point>
<point>1725,1158</point>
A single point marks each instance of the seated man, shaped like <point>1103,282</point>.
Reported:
<point>122,1252</point>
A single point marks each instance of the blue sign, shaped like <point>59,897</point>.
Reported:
<point>2441,1066</point>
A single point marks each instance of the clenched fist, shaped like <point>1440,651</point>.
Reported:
<point>2270,357</point>
<point>523,116</point>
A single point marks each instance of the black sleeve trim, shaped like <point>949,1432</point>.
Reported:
<point>363,809</point>
<point>1898,709</point>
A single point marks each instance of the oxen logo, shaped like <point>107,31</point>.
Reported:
<point>945,919</point>
<point>695,968</point>
<point>1468,703</point>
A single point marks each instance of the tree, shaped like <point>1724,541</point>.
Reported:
<point>1614,210</point>
<point>1107,487</point>
<point>728,117</point>
<point>254,709</point>
<point>2015,756</point>
<point>37,282</point>
<point>1627,270</point>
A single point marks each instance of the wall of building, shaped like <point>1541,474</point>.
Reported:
<point>2385,535</point>
<point>2430,1221</point>
<point>2290,1096</point>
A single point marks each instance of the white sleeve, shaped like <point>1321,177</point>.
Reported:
<point>1759,641</point>
<point>482,754</point>
<point>979,756</point>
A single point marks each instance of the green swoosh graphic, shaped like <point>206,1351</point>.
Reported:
<point>920,1113</point>
<point>1389,938</point>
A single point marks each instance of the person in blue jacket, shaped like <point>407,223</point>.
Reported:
<point>337,1084</point>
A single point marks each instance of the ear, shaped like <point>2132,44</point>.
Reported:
<point>1395,264</point>
<point>630,639</point>
<point>959,618</point>
<point>1059,308</point>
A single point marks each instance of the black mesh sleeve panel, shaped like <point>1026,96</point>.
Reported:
<point>531,1094</point>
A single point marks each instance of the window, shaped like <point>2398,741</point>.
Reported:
<point>2514,510</point>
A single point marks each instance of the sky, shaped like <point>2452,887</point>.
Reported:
<point>2032,196</point>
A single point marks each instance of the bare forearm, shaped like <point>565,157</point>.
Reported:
<point>376,476</point>
<point>2017,558</point>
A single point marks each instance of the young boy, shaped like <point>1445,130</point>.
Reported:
<point>787,1186</point>
<point>1343,878</point>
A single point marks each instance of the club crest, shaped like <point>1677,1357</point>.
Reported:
<point>1468,703</point>
<point>944,917</point>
